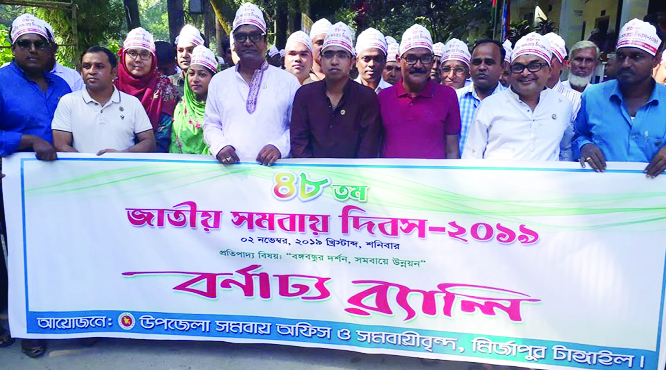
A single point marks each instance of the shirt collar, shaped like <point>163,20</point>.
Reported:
<point>470,90</point>
<point>115,97</point>
<point>380,86</point>
<point>427,92</point>
<point>617,94</point>
<point>21,72</point>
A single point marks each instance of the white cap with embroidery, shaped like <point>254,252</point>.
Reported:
<point>508,49</point>
<point>339,35</point>
<point>370,39</point>
<point>532,44</point>
<point>416,36</point>
<point>203,56</point>
<point>319,27</point>
<point>557,46</point>
<point>393,51</point>
<point>390,40</point>
<point>639,34</point>
<point>139,38</point>
<point>273,51</point>
<point>28,23</point>
<point>456,50</point>
<point>249,14</point>
<point>189,35</point>
<point>299,37</point>
<point>438,49</point>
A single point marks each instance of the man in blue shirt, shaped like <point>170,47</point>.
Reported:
<point>624,120</point>
<point>29,94</point>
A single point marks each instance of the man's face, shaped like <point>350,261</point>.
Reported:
<point>434,72</point>
<point>528,83</point>
<point>317,44</point>
<point>227,56</point>
<point>97,72</point>
<point>298,61</point>
<point>487,66</point>
<point>184,54</point>
<point>336,63</point>
<point>555,69</point>
<point>370,64</point>
<point>454,73</point>
<point>391,72</point>
<point>415,65</point>
<point>583,62</point>
<point>32,52</point>
<point>250,43</point>
<point>634,66</point>
<point>505,78</point>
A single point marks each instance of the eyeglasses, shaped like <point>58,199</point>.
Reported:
<point>413,59</point>
<point>341,54</point>
<point>518,68</point>
<point>26,44</point>
<point>144,54</point>
<point>457,71</point>
<point>242,37</point>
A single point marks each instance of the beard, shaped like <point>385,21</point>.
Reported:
<point>579,81</point>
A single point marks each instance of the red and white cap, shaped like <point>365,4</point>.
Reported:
<point>249,13</point>
<point>557,46</point>
<point>299,37</point>
<point>139,38</point>
<point>319,27</point>
<point>532,44</point>
<point>456,50</point>
<point>393,52</point>
<point>639,34</point>
<point>28,23</point>
<point>390,40</point>
<point>189,35</point>
<point>205,57</point>
<point>371,39</point>
<point>339,35</point>
<point>273,51</point>
<point>416,36</point>
<point>508,49</point>
<point>438,49</point>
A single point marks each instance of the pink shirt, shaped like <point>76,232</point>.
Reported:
<point>417,127</point>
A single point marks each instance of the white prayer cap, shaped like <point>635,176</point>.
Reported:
<point>189,35</point>
<point>370,39</point>
<point>393,51</point>
<point>282,53</point>
<point>339,35</point>
<point>416,36</point>
<point>28,23</point>
<point>532,44</point>
<point>249,13</point>
<point>139,38</point>
<point>557,46</point>
<point>438,49</point>
<point>456,50</point>
<point>203,56</point>
<point>319,27</point>
<point>390,40</point>
<point>508,49</point>
<point>273,51</point>
<point>299,37</point>
<point>639,34</point>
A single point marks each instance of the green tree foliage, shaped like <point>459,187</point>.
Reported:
<point>154,18</point>
<point>5,51</point>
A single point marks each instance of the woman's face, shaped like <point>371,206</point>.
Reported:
<point>199,77</point>
<point>138,61</point>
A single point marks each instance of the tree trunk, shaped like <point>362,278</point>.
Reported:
<point>281,24</point>
<point>175,11</point>
<point>132,14</point>
<point>209,23</point>
<point>219,32</point>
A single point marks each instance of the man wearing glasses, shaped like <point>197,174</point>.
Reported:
<point>455,64</point>
<point>248,109</point>
<point>336,117</point>
<point>421,117</point>
<point>526,121</point>
<point>371,51</point>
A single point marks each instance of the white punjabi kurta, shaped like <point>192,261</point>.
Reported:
<point>506,128</point>
<point>249,117</point>
<point>574,97</point>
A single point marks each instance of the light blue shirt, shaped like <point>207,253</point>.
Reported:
<point>469,101</point>
<point>604,121</point>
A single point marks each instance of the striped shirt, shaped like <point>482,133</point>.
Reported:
<point>469,101</point>
<point>566,154</point>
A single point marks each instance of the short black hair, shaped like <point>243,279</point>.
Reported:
<point>491,41</point>
<point>164,52</point>
<point>226,44</point>
<point>100,49</point>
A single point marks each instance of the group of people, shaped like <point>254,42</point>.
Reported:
<point>411,99</point>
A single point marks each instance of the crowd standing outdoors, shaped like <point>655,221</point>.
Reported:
<point>411,99</point>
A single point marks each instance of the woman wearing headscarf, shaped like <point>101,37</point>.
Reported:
<point>138,75</point>
<point>187,130</point>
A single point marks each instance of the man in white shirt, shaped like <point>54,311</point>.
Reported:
<point>371,51</point>
<point>71,76</point>
<point>248,109</point>
<point>526,121</point>
<point>100,119</point>
<point>583,62</point>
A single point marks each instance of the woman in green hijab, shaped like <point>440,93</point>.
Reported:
<point>187,130</point>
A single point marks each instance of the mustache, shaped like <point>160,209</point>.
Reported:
<point>416,71</point>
